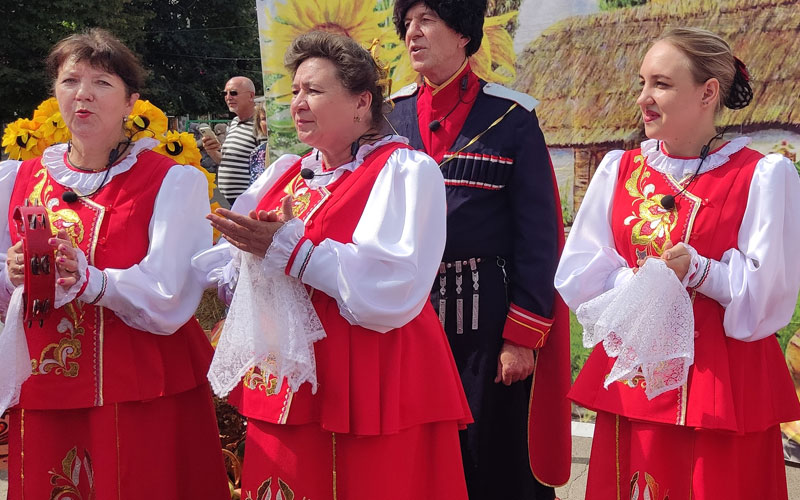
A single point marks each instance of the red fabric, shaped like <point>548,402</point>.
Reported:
<point>164,448</point>
<point>549,417</point>
<point>420,462</point>
<point>733,385</point>
<point>97,359</point>
<point>448,98</point>
<point>525,328</point>
<point>370,383</point>
<point>640,460</point>
<point>294,255</point>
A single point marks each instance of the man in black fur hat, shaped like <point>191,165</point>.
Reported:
<point>494,292</point>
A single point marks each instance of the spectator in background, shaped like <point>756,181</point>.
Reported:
<point>259,155</point>
<point>233,175</point>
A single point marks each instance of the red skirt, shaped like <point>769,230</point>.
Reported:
<point>637,460</point>
<point>305,461</point>
<point>163,448</point>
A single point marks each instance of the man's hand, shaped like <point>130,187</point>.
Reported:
<point>212,148</point>
<point>514,363</point>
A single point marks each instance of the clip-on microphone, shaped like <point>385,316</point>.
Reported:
<point>71,196</point>
<point>437,124</point>
<point>668,201</point>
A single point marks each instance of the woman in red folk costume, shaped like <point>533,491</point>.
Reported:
<point>117,405</point>
<point>700,423</point>
<point>353,233</point>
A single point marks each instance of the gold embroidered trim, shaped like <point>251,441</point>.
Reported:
<point>616,440</point>
<point>67,481</point>
<point>333,475</point>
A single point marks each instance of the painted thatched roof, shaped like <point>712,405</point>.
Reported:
<point>584,70</point>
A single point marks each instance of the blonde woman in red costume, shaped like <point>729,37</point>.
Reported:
<point>117,405</point>
<point>357,241</point>
<point>723,217</point>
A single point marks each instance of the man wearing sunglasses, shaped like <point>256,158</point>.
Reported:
<point>232,156</point>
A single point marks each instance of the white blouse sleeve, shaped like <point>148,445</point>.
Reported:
<point>160,293</point>
<point>758,282</point>
<point>383,278</point>
<point>219,265</point>
<point>590,263</point>
<point>8,175</point>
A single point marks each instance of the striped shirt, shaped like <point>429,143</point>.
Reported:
<point>233,176</point>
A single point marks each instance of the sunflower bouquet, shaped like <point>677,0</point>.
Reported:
<point>28,138</point>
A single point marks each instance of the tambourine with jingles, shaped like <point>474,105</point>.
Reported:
<point>33,227</point>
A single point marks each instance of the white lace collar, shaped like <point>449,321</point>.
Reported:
<point>323,178</point>
<point>86,182</point>
<point>680,167</point>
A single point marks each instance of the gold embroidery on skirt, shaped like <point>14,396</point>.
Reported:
<point>67,482</point>
<point>651,493</point>
<point>264,492</point>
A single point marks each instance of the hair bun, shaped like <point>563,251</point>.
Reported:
<point>740,93</point>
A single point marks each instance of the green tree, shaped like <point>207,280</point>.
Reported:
<point>189,47</point>
<point>192,48</point>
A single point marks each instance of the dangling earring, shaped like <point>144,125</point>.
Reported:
<point>356,119</point>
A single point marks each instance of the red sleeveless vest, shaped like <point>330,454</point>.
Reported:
<point>84,355</point>
<point>732,385</point>
<point>370,383</point>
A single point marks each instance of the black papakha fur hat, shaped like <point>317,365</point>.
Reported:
<point>463,16</point>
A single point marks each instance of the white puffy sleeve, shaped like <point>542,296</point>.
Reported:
<point>8,175</point>
<point>160,293</point>
<point>758,282</point>
<point>590,263</point>
<point>383,278</point>
<point>219,265</point>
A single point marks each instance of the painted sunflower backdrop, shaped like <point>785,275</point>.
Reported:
<point>369,22</point>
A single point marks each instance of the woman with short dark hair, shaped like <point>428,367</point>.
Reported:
<point>117,405</point>
<point>344,244</point>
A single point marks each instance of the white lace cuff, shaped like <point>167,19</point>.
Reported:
<point>283,246</point>
<point>647,324</point>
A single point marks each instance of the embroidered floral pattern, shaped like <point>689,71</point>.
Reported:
<point>264,492</point>
<point>55,358</point>
<point>651,488</point>
<point>67,482</point>
<point>652,223</point>
<point>255,381</point>
<point>60,218</point>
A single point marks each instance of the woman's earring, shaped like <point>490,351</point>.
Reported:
<point>356,119</point>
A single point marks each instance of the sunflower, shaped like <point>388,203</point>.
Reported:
<point>181,147</point>
<point>146,117</point>
<point>493,62</point>
<point>51,124</point>
<point>21,140</point>
<point>361,20</point>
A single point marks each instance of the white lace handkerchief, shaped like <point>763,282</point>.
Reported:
<point>647,323</point>
<point>15,360</point>
<point>271,325</point>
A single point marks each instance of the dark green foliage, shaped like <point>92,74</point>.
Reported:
<point>180,42</point>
